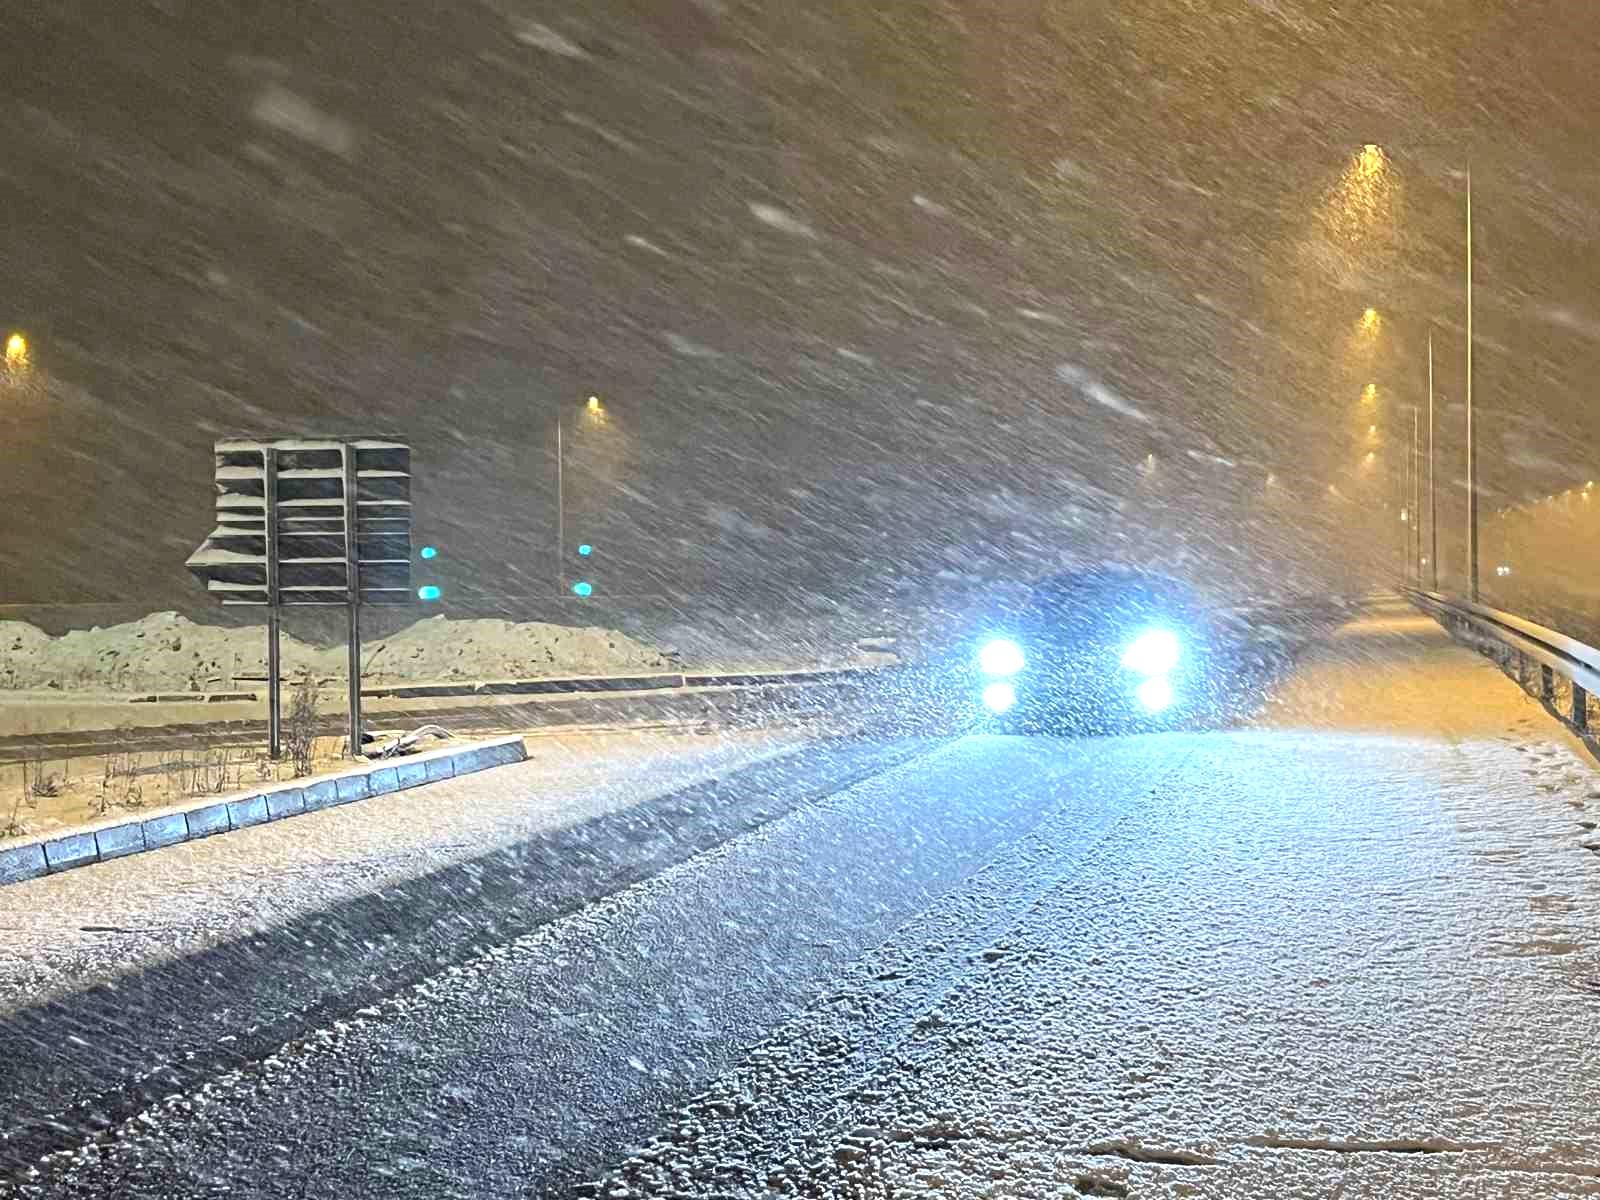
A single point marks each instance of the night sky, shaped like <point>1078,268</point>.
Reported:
<point>887,301</point>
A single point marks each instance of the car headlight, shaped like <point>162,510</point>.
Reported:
<point>1154,652</point>
<point>999,697</point>
<point>1001,657</point>
<point>1154,694</point>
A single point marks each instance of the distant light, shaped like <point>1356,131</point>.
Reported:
<point>1372,431</point>
<point>594,404</point>
<point>1370,163</point>
<point>428,592</point>
<point>583,588</point>
<point>1371,456</point>
<point>16,351</point>
<point>586,549</point>
<point>999,697</point>
<point>1155,694</point>
<point>1153,652</point>
<point>428,552</point>
<point>1424,560</point>
<point>1002,656</point>
<point>1502,570</point>
<point>1271,479</point>
<point>1405,517</point>
<point>1369,394</point>
<point>1370,321</point>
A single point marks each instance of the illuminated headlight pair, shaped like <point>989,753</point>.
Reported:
<point>1153,654</point>
<point>1000,659</point>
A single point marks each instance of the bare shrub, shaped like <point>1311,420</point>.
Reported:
<point>300,726</point>
<point>120,781</point>
<point>13,826</point>
<point>171,764</point>
<point>108,783</point>
<point>42,785</point>
<point>213,773</point>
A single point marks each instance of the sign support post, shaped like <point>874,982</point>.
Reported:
<point>352,567</point>
<point>274,619</point>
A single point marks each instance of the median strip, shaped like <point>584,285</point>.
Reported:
<point>118,837</point>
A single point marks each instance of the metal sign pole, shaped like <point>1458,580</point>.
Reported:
<point>274,665</point>
<point>352,566</point>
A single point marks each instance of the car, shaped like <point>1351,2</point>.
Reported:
<point>1095,650</point>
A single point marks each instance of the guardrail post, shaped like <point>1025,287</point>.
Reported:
<point>1580,707</point>
<point>1547,683</point>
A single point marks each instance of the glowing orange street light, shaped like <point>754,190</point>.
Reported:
<point>16,351</point>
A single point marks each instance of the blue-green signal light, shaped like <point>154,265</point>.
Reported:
<point>428,592</point>
<point>583,588</point>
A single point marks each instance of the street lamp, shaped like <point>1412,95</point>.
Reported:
<point>595,414</point>
<point>1472,454</point>
<point>1433,504</point>
<point>1361,189</point>
<point>16,351</point>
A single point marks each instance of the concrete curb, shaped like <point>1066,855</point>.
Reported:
<point>119,837</point>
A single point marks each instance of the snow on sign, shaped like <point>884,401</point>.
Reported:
<point>310,521</point>
<point>289,513</point>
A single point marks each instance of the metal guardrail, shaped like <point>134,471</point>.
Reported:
<point>520,704</point>
<point>1554,652</point>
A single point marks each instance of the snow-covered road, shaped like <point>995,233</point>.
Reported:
<point>1353,950</point>
<point>1359,961</point>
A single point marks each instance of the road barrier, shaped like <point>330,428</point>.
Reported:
<point>1535,655</point>
<point>584,701</point>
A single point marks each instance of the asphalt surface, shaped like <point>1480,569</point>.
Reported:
<point>1349,951</point>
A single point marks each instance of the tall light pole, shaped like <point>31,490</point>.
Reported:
<point>1472,455</point>
<point>597,416</point>
<point>1433,510</point>
<point>1416,493</point>
<point>561,514</point>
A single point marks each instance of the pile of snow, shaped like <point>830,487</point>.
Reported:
<point>164,652</point>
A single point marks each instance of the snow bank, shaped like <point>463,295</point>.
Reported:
<point>167,652</point>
